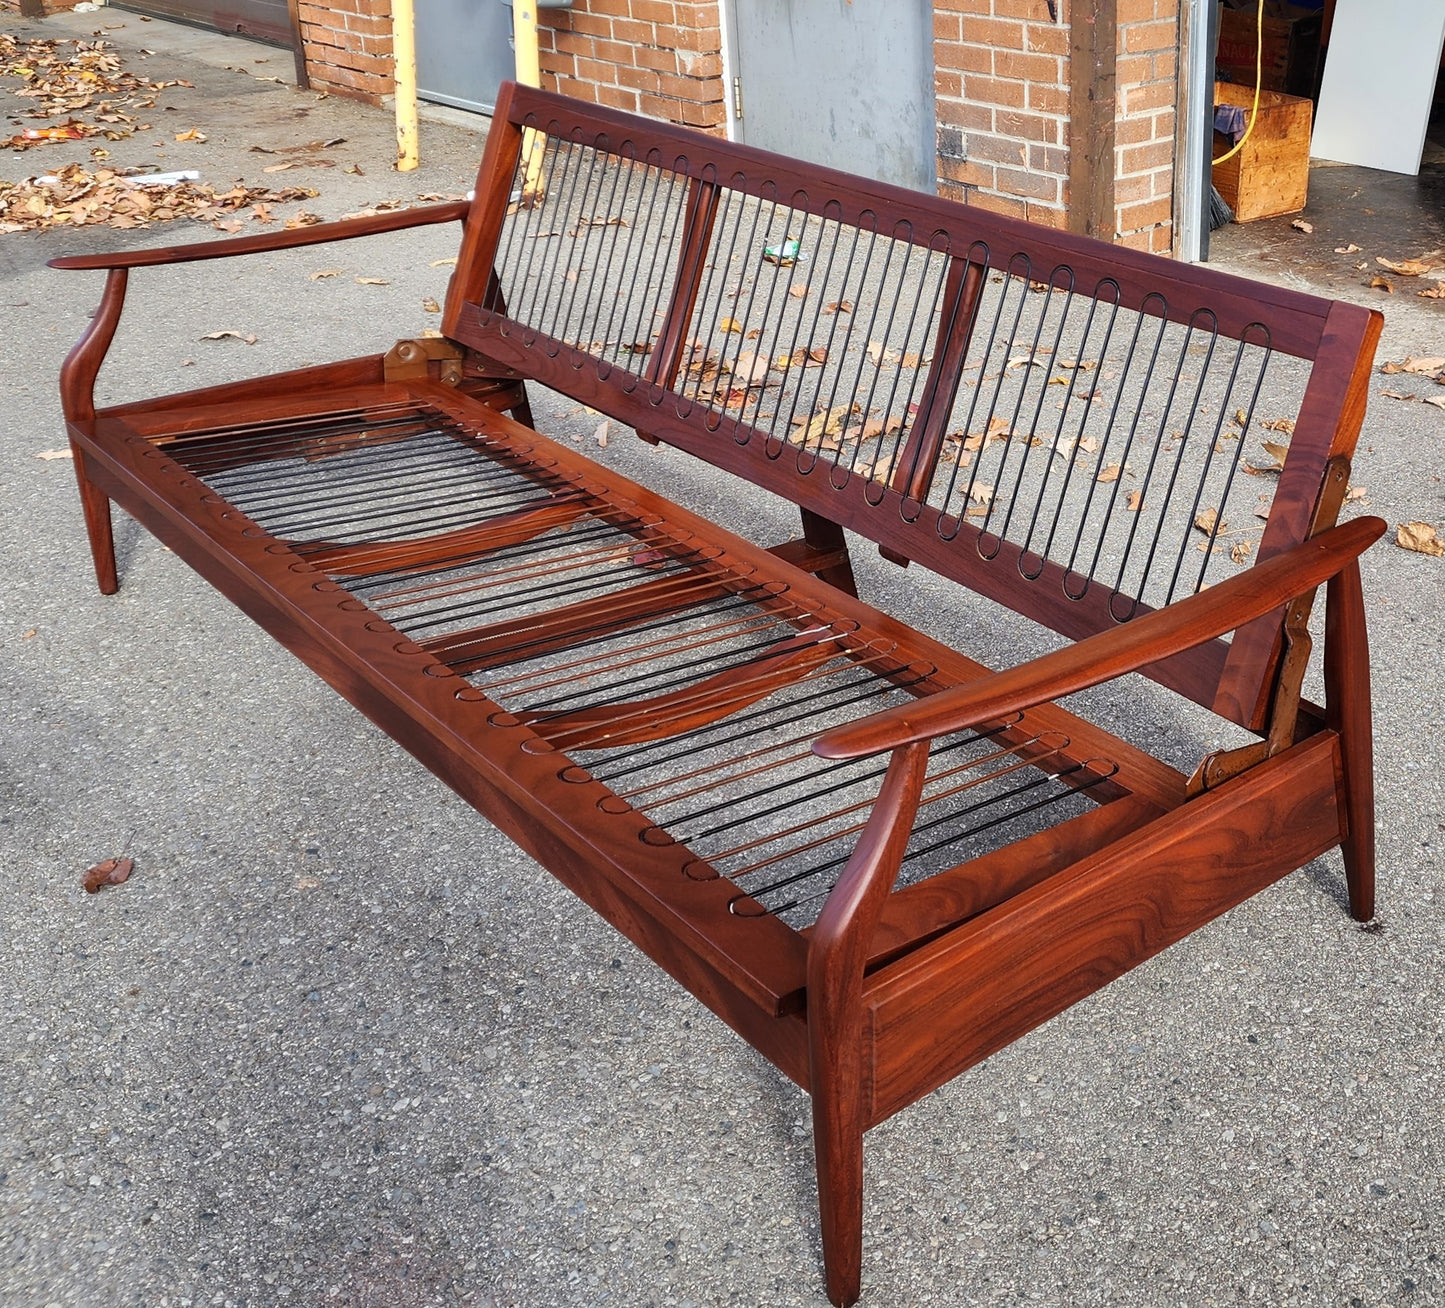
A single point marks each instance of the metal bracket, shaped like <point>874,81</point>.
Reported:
<point>1284,709</point>
<point>408,360</point>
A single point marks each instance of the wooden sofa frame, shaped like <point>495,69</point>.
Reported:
<point>751,773</point>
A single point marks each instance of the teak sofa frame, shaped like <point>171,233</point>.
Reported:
<point>874,859</point>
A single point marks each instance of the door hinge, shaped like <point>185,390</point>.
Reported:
<point>737,97</point>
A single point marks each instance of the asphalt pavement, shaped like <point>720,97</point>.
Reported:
<point>336,1042</point>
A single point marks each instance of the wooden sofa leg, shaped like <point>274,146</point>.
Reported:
<point>1347,709</point>
<point>96,506</point>
<point>838,1145</point>
<point>824,534</point>
<point>522,409</point>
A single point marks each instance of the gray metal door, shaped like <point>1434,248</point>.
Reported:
<point>841,82</point>
<point>463,51</point>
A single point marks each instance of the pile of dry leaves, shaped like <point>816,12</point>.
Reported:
<point>73,197</point>
<point>66,78</point>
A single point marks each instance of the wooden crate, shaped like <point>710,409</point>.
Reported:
<point>1270,176</point>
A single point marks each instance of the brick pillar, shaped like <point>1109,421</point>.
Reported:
<point>348,47</point>
<point>662,58</point>
<point>1001,78</point>
<point>1148,75</point>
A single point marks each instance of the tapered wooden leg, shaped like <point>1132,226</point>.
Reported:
<point>96,507</point>
<point>836,955</point>
<point>824,534</point>
<point>838,1143</point>
<point>1347,709</point>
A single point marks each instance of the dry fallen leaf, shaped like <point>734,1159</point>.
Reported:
<point>1437,400</point>
<point>109,873</point>
<point>28,634</point>
<point>1382,284</point>
<point>55,454</point>
<point>1239,552</point>
<point>1397,395</point>
<point>1426,367</point>
<point>450,262</point>
<point>600,435</point>
<point>326,272</point>
<point>1110,472</point>
<point>1207,521</point>
<point>222,335</point>
<point>1351,248</point>
<point>1356,493</point>
<point>1406,267</point>
<point>729,325</point>
<point>838,306</point>
<point>750,368</point>
<point>1276,452</point>
<point>799,290</point>
<point>1136,498</point>
<point>195,134</point>
<point>372,281</point>
<point>1286,425</point>
<point>430,305</point>
<point>1300,225</point>
<point>1420,537</point>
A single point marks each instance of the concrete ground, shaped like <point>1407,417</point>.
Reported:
<point>336,1042</point>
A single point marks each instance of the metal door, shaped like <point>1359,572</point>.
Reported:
<point>463,51</point>
<point>842,82</point>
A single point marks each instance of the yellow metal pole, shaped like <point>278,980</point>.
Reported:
<point>529,73</point>
<point>403,45</point>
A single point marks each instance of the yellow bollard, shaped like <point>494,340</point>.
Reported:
<point>403,45</point>
<point>529,73</point>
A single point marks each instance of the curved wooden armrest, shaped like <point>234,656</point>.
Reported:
<point>1110,654</point>
<point>317,234</point>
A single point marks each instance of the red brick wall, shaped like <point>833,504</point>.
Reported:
<point>1001,76</point>
<point>348,46</point>
<point>662,58</point>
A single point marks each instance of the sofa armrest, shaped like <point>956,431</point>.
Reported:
<point>1192,621</point>
<point>318,234</point>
